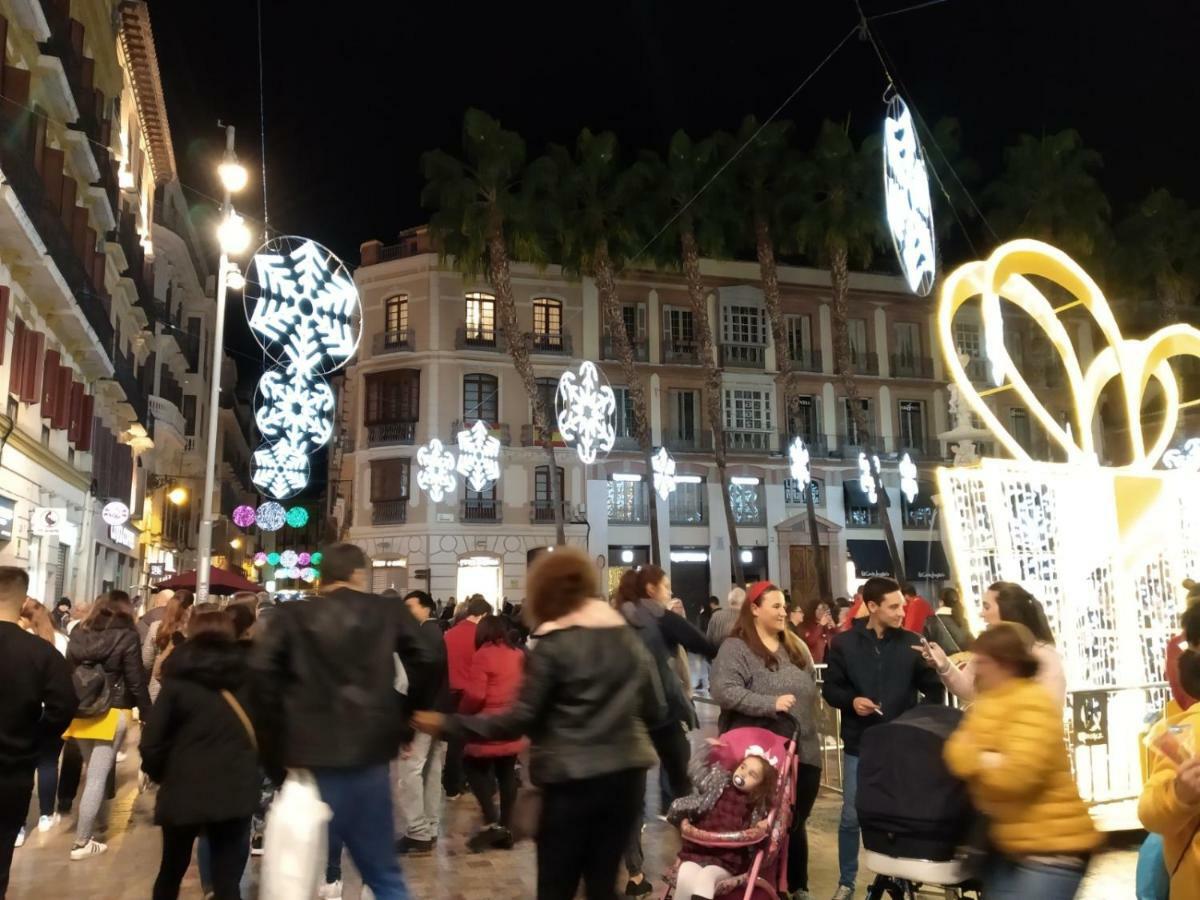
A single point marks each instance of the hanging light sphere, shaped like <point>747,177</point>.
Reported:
<point>304,559</point>
<point>260,558</point>
<point>316,558</point>
<point>287,559</point>
<point>273,559</point>
<point>308,574</point>
<point>270,516</point>
<point>297,517</point>
<point>243,516</point>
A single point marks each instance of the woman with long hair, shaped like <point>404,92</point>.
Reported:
<point>764,677</point>
<point>820,625</point>
<point>106,644</point>
<point>1010,751</point>
<point>948,626</point>
<point>163,636</point>
<point>1006,601</point>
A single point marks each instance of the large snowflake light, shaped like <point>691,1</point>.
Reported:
<point>304,311</point>
<point>868,469</point>
<point>586,409</point>
<point>664,473</point>
<point>798,463</point>
<point>906,190</point>
<point>478,456</point>
<point>435,470</point>
<point>908,478</point>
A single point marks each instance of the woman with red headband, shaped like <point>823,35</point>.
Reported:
<point>764,677</point>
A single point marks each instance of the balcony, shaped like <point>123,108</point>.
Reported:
<point>529,439</point>
<point>681,351</point>
<point>850,445</point>
<point>541,512</point>
<point>496,430</point>
<point>626,442</point>
<point>751,441</point>
<point>641,350</point>
<point>386,434</point>
<point>389,512</point>
<point>394,342</point>
<point>977,370</point>
<point>806,360</point>
<point>126,378</point>
<point>167,416</point>
<point>911,366</point>
<point>816,444</point>
<point>480,510</point>
<point>916,446</point>
<point>696,442</point>
<point>549,342</point>
<point>479,339</point>
<point>743,356</point>
<point>864,363</point>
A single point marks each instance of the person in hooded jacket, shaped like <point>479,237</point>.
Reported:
<point>199,745</point>
<point>108,639</point>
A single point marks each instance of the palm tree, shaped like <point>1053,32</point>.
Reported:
<point>591,216</point>
<point>483,216</point>
<point>841,221</point>
<point>1159,254</point>
<point>698,224</point>
<point>768,189</point>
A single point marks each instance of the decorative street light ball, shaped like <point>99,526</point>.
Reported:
<point>273,558</point>
<point>304,559</point>
<point>316,558</point>
<point>270,516</point>
<point>243,516</point>
<point>297,517</point>
<point>260,558</point>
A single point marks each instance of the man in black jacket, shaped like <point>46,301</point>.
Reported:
<point>37,702</point>
<point>874,673</point>
<point>324,676</point>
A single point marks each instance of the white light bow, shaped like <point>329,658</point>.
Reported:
<point>906,191</point>
<point>435,472</point>
<point>664,473</point>
<point>586,408</point>
<point>868,469</point>
<point>478,456</point>
<point>798,463</point>
<point>908,478</point>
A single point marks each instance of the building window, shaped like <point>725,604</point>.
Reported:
<point>966,340</point>
<point>547,321</point>
<point>907,337</point>
<point>481,399</point>
<point>634,316</point>
<point>806,420</point>
<point>856,332</point>
<point>799,337</point>
<point>680,330</point>
<point>547,389</point>
<point>393,396</point>
<point>389,490</point>
<point>624,414</point>
<point>856,436</point>
<point>395,320</point>
<point>45,436</point>
<point>748,504</point>
<point>742,325</point>
<point>919,513</point>
<point>911,426</point>
<point>687,503</point>
<point>481,318</point>
<point>481,506</point>
<point>860,512</point>
<point>541,484</point>
<point>626,502</point>
<point>684,415</point>
<point>747,409</point>
<point>794,495</point>
<point>189,415</point>
<point>1018,426</point>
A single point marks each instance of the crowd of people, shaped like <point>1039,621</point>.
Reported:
<point>579,694</point>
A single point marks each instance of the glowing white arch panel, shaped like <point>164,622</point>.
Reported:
<point>906,194</point>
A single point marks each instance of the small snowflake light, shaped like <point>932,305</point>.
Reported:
<point>288,558</point>
<point>798,463</point>
<point>664,473</point>
<point>280,469</point>
<point>303,558</point>
<point>297,517</point>
<point>243,516</point>
<point>298,408</point>
<point>908,478</point>
<point>586,409</point>
<point>868,469</point>
<point>478,456</point>
<point>906,189</point>
<point>270,516</point>
<point>435,470</point>
<point>260,558</point>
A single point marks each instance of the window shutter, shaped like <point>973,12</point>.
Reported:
<point>52,176</point>
<point>75,426</point>
<point>31,380</point>
<point>50,384</point>
<point>62,402</point>
<point>87,413</point>
<point>3,321</point>
<point>17,366</point>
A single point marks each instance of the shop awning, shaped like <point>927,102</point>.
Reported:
<point>871,558</point>
<point>926,561</point>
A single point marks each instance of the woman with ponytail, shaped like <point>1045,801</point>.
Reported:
<point>1006,601</point>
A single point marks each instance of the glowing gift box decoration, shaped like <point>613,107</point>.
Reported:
<point>1104,548</point>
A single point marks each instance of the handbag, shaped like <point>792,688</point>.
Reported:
<point>295,845</point>
<point>242,717</point>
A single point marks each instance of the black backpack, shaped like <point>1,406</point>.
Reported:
<point>909,805</point>
<point>93,688</point>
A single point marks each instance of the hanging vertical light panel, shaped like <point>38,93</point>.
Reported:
<point>906,194</point>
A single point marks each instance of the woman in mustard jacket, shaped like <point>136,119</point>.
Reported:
<point>1010,752</point>
<point>1170,803</point>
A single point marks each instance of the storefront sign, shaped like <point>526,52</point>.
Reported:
<point>122,536</point>
<point>8,512</point>
<point>115,513</point>
<point>47,520</point>
<point>158,570</point>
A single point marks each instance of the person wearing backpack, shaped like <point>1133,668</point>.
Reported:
<point>106,656</point>
<point>36,703</point>
<point>200,747</point>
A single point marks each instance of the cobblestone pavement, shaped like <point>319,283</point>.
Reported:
<point>42,869</point>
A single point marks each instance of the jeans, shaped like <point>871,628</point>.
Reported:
<point>47,776</point>
<point>699,667</point>
<point>204,857</point>
<point>848,834</point>
<point>808,784</point>
<point>584,827</point>
<point>69,775</point>
<point>333,865</point>
<point>453,777</point>
<point>361,801</point>
<point>484,773</point>
<point>101,759</point>
<point>421,787</point>
<point>16,784</point>
<point>1020,879</point>
<point>227,847</point>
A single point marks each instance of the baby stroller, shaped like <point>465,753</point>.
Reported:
<point>766,879</point>
<point>913,813</point>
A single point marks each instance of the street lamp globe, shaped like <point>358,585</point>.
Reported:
<point>178,496</point>
<point>235,280</point>
<point>233,235</point>
<point>233,175</point>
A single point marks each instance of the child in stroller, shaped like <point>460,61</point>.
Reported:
<point>732,823</point>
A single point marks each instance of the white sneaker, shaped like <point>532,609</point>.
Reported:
<point>330,891</point>
<point>843,893</point>
<point>91,848</point>
<point>20,837</point>
<point>45,823</point>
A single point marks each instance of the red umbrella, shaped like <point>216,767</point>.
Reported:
<point>220,581</point>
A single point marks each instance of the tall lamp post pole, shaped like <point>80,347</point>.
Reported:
<point>234,238</point>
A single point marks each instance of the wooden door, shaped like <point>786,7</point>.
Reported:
<point>806,583</point>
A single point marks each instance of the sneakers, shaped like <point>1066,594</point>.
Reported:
<point>91,848</point>
<point>415,845</point>
<point>256,845</point>
<point>843,893</point>
<point>491,837</point>
<point>20,837</point>
<point>638,888</point>
<point>330,891</point>
<point>45,823</point>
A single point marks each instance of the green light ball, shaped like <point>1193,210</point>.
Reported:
<point>297,517</point>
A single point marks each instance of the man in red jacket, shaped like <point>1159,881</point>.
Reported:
<point>916,610</point>
<point>460,650</point>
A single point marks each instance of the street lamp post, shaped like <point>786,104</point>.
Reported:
<point>234,239</point>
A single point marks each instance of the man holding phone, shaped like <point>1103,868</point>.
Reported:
<point>875,673</point>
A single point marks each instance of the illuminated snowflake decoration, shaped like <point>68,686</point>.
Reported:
<point>664,473</point>
<point>243,516</point>
<point>798,463</point>
<point>908,478</point>
<point>298,409</point>
<point>270,517</point>
<point>297,517</point>
<point>906,189</point>
<point>868,469</point>
<point>281,469</point>
<point>478,456</point>
<point>288,558</point>
<point>435,472</point>
<point>586,409</point>
<point>1187,458</point>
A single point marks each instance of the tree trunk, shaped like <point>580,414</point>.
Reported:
<point>765,248</point>
<point>712,386</point>
<point>518,348</point>
<point>606,286</point>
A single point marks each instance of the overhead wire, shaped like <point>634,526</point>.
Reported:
<point>262,116</point>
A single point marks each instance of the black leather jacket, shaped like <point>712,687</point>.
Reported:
<point>119,653</point>
<point>586,695</point>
